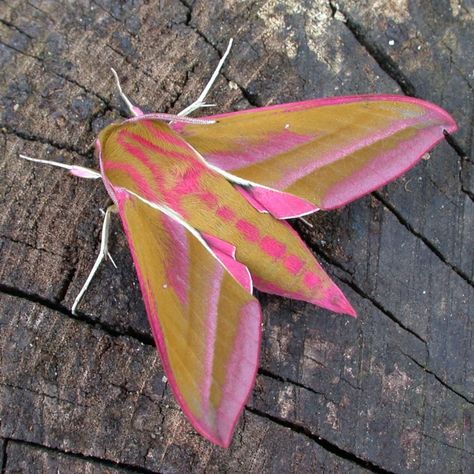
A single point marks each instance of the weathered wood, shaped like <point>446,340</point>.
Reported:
<point>2,452</point>
<point>391,391</point>
<point>25,459</point>
<point>77,389</point>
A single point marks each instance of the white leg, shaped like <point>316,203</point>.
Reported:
<point>302,219</point>
<point>108,253</point>
<point>199,102</point>
<point>135,111</point>
<point>103,252</point>
<point>73,169</point>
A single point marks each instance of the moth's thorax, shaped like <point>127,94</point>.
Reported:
<point>151,160</point>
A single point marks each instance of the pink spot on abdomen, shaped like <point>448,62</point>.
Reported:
<point>208,198</point>
<point>311,280</point>
<point>226,213</point>
<point>268,287</point>
<point>272,247</point>
<point>293,264</point>
<point>249,231</point>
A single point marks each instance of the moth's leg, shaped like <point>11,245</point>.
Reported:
<point>73,169</point>
<point>199,102</point>
<point>103,253</point>
<point>302,219</point>
<point>134,110</point>
<point>108,253</point>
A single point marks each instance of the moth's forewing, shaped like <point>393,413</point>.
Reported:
<point>206,326</point>
<point>326,151</point>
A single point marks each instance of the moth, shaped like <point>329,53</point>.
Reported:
<point>203,203</point>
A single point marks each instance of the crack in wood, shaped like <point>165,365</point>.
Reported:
<point>384,311</point>
<point>326,256</point>
<point>81,317</point>
<point>325,444</point>
<point>129,61</point>
<point>359,290</point>
<point>46,141</point>
<point>46,14</point>
<point>82,457</point>
<point>4,455</point>
<point>437,377</point>
<point>250,98</point>
<point>446,444</point>
<point>287,380</point>
<point>14,27</point>
<point>420,236</point>
<point>173,101</point>
<point>44,395</point>
<point>60,75</point>
<point>30,246</point>
<point>14,48</point>
<point>380,57</point>
<point>68,280</point>
<point>122,22</point>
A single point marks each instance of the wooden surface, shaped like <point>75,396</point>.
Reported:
<point>392,391</point>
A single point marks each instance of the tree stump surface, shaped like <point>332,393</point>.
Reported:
<point>391,391</point>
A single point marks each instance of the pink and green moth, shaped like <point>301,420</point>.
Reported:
<point>203,203</point>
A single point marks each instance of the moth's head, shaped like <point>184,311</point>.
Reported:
<point>106,132</point>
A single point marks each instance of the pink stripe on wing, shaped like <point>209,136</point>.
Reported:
<point>321,102</point>
<point>387,167</point>
<point>310,164</point>
<point>177,263</point>
<point>212,305</point>
<point>267,147</point>
<point>241,369</point>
